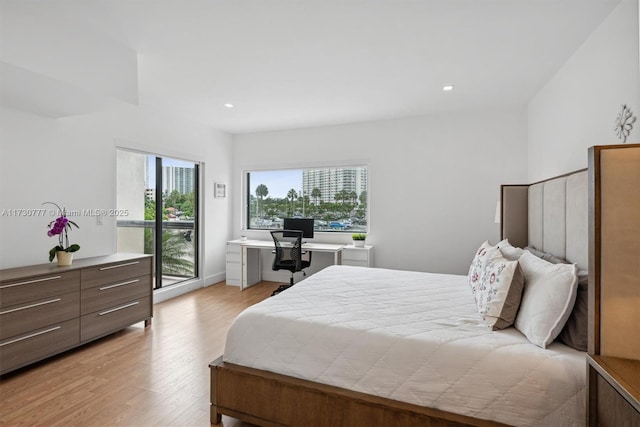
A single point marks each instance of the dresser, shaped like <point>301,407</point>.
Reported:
<point>46,309</point>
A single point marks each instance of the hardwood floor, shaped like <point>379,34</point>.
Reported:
<point>156,376</point>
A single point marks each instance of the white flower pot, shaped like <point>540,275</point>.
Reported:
<point>64,258</point>
<point>358,243</point>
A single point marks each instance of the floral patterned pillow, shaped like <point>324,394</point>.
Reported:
<point>478,263</point>
<point>499,291</point>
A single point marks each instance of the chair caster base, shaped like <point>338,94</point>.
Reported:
<point>280,289</point>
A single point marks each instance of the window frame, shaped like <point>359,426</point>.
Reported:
<point>247,192</point>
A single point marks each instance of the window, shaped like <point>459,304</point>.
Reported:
<point>335,197</point>
<point>160,197</point>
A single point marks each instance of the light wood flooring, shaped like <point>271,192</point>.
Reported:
<point>156,376</point>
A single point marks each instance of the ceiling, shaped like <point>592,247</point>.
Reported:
<point>299,63</point>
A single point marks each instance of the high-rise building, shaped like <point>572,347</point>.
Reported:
<point>330,181</point>
<point>177,178</point>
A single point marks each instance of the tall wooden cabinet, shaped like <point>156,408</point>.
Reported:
<point>614,286</point>
<point>46,309</point>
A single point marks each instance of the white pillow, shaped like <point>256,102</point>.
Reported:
<point>499,291</point>
<point>548,298</point>
<point>509,251</point>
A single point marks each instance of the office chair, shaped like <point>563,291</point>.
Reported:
<point>289,254</point>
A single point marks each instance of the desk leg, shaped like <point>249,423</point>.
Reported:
<point>337,258</point>
<point>251,267</point>
<point>243,261</point>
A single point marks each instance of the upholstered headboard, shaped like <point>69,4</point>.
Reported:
<point>551,216</point>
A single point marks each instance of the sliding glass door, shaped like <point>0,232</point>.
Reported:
<point>160,196</point>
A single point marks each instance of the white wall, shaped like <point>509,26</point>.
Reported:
<point>434,180</point>
<point>72,161</point>
<point>577,108</point>
<point>67,50</point>
<point>70,97</point>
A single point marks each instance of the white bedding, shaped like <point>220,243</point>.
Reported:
<point>414,337</point>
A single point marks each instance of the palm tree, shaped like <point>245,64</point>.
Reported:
<point>176,255</point>
<point>261,191</point>
<point>341,195</point>
<point>304,199</point>
<point>315,193</point>
<point>291,195</point>
<point>363,198</point>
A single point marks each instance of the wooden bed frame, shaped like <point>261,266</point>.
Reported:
<point>270,399</point>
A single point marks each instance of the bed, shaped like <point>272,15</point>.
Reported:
<point>369,346</point>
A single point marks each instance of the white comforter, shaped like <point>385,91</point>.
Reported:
<point>414,337</point>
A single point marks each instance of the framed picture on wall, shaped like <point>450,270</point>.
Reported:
<point>219,191</point>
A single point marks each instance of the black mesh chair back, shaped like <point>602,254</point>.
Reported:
<point>288,251</point>
<point>289,254</point>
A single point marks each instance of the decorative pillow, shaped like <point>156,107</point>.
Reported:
<point>499,291</point>
<point>575,331</point>
<point>509,251</point>
<point>477,265</point>
<point>548,298</point>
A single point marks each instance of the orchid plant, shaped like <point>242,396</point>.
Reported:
<point>60,227</point>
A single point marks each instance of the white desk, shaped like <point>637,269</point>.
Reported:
<point>243,259</point>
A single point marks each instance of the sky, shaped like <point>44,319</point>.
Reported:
<point>278,182</point>
<point>166,161</point>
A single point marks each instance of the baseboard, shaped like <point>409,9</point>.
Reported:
<point>213,279</point>
<point>178,289</point>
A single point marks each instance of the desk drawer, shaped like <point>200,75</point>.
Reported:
<point>115,272</point>
<point>104,296</point>
<point>355,255</point>
<point>234,257</point>
<point>233,248</point>
<point>355,263</point>
<point>36,345</point>
<point>234,271</point>
<point>22,318</point>
<point>114,318</point>
<point>38,287</point>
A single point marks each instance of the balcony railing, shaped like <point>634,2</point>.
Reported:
<point>178,247</point>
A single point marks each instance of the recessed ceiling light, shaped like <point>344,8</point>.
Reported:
<point>228,105</point>
<point>447,88</point>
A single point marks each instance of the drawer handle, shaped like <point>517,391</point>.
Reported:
<point>31,281</point>
<point>119,265</point>
<point>31,336</point>
<point>30,306</point>
<point>104,288</point>
<point>119,308</point>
